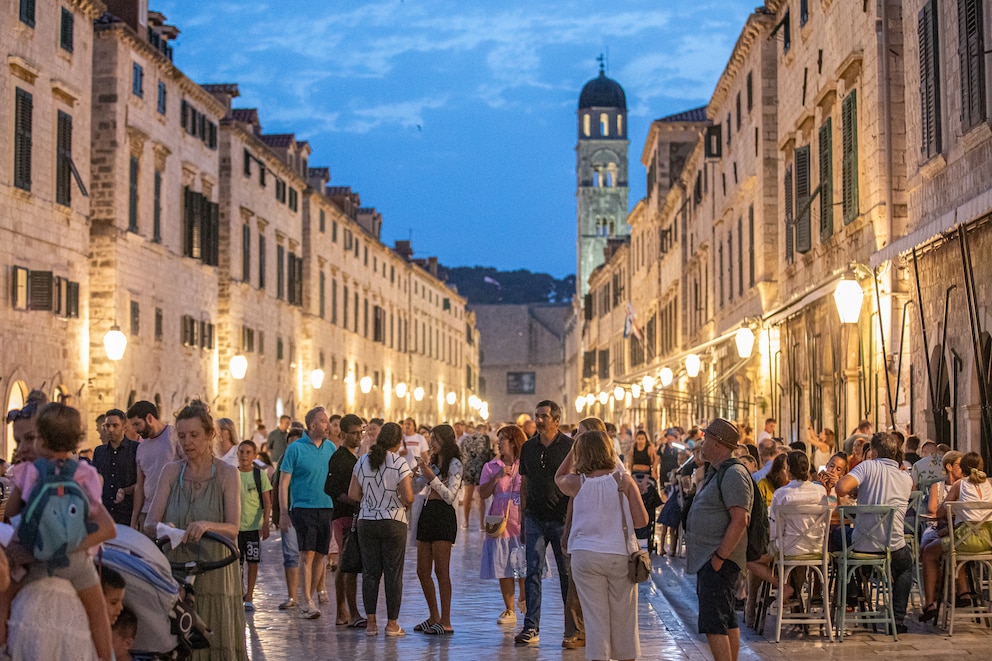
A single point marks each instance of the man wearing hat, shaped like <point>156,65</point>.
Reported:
<point>716,538</point>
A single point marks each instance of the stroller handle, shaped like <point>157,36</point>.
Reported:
<point>196,567</point>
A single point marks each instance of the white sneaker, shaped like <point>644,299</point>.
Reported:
<point>509,616</point>
<point>309,613</point>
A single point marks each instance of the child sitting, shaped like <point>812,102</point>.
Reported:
<point>113,586</point>
<point>60,430</point>
<point>124,631</point>
<point>256,511</point>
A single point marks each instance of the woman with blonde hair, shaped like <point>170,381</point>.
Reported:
<point>227,441</point>
<point>972,487</point>
<point>607,509</point>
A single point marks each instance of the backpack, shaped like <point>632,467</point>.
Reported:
<point>56,519</point>
<point>758,532</point>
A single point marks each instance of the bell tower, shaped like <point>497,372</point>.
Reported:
<point>600,173</point>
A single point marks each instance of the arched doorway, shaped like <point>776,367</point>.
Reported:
<point>984,373</point>
<point>15,400</point>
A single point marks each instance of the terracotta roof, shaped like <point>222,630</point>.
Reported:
<point>693,115</point>
<point>319,172</point>
<point>278,139</point>
<point>338,190</point>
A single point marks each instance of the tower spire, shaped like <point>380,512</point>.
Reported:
<point>602,64</point>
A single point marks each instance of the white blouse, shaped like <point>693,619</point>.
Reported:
<point>379,498</point>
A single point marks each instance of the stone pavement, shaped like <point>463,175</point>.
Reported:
<point>667,614</point>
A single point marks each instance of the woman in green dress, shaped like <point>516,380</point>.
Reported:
<point>201,494</point>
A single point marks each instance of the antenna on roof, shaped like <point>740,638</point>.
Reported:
<point>602,60</point>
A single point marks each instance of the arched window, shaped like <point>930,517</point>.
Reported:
<point>604,125</point>
<point>619,124</point>
<point>597,177</point>
<point>15,400</point>
<point>611,175</point>
<point>586,125</point>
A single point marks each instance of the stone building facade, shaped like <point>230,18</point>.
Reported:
<point>133,197</point>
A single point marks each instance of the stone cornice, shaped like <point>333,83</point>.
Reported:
<point>23,69</point>
<point>93,9</point>
<point>753,28</point>
<point>251,140</point>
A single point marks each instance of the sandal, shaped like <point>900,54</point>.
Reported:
<point>395,633</point>
<point>374,631</point>
<point>360,623</point>
<point>434,630</point>
<point>930,613</point>
<point>423,626</point>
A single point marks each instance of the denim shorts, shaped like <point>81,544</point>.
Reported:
<point>290,549</point>
<point>716,591</point>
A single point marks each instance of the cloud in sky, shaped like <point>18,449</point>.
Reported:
<point>386,88</point>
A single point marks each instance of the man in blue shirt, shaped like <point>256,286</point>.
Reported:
<point>303,472</point>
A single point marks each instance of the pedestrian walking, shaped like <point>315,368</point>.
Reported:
<point>341,466</point>
<point>159,447</point>
<point>116,461</point>
<point>256,517</point>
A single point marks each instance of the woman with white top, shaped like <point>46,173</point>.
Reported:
<point>607,509</point>
<point>227,442</point>
<point>381,483</point>
<point>438,526</point>
<point>972,487</point>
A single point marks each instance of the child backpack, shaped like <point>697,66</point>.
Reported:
<point>56,519</point>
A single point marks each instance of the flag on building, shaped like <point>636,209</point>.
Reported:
<point>630,324</point>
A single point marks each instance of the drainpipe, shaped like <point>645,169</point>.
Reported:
<point>882,31</point>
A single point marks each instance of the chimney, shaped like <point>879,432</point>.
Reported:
<point>132,12</point>
<point>318,178</point>
<point>403,249</point>
<point>432,266</point>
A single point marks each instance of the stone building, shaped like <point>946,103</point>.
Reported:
<point>44,209</point>
<point>522,356</point>
<point>948,161</point>
<point>144,203</point>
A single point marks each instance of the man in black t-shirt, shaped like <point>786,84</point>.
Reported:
<point>544,507</point>
<point>339,470</point>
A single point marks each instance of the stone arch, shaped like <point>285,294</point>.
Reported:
<point>604,125</point>
<point>938,421</point>
<point>586,124</point>
<point>17,394</point>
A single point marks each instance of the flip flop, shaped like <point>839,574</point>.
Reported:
<point>435,630</point>
<point>423,626</point>
<point>395,633</point>
<point>360,623</point>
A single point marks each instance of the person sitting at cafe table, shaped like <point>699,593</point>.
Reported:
<point>881,481</point>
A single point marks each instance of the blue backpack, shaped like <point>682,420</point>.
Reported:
<point>56,519</point>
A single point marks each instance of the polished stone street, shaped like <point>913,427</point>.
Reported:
<point>667,621</point>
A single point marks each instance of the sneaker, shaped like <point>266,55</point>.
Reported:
<point>509,616</point>
<point>527,637</point>
<point>289,604</point>
<point>573,642</point>
<point>310,613</point>
<point>249,607</point>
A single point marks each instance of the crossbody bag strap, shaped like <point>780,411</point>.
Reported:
<point>623,519</point>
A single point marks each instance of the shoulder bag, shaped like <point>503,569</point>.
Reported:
<point>639,562</point>
<point>496,523</point>
<point>350,561</point>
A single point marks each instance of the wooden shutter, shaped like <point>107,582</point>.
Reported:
<point>750,245</point>
<point>65,33</point>
<point>291,279</point>
<point>280,272</point>
<point>849,165</point>
<point>132,205</point>
<point>212,247</point>
<point>63,158</point>
<point>299,280</point>
<point>72,300</point>
<point>157,209</point>
<point>246,253</point>
<point>41,290</point>
<point>926,26</point>
<point>740,255</point>
<point>789,244</point>
<point>23,113</point>
<point>247,164</point>
<point>27,12</point>
<point>971,47</point>
<point>191,228</point>
<point>261,261</point>
<point>826,181</point>
<point>803,231</point>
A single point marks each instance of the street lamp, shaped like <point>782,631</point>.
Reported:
<point>239,367</point>
<point>618,393</point>
<point>365,384</point>
<point>317,378</point>
<point>692,363</point>
<point>849,296</point>
<point>745,342</point>
<point>451,397</point>
<point>603,397</point>
<point>590,399</point>
<point>114,343</point>
<point>401,390</point>
<point>418,393</point>
<point>580,402</point>
<point>647,383</point>
<point>635,390</point>
<point>666,377</point>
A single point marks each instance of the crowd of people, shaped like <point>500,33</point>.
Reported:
<point>349,497</point>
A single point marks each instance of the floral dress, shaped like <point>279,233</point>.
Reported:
<point>498,552</point>
<point>476,450</point>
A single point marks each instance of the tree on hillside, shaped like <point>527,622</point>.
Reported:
<point>485,285</point>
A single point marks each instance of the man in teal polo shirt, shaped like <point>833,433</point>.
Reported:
<point>303,501</point>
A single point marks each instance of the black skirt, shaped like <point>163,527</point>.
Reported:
<point>437,523</point>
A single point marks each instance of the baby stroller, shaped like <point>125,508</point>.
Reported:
<point>161,593</point>
<point>651,498</point>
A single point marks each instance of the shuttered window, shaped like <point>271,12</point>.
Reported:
<point>280,272</point>
<point>334,301</point>
<point>261,261</point>
<point>23,112</point>
<point>849,165</point>
<point>41,290</point>
<point>132,204</point>
<point>135,318</point>
<point>201,228</point>
<point>740,256</point>
<point>137,80</point>
<point>719,271</point>
<point>63,159</point>
<point>66,29</point>
<point>323,286</point>
<point>971,54</point>
<point>926,26</point>
<point>163,93</point>
<point>826,181</point>
<point>803,232</point>
<point>157,209</point>
<point>27,12</point>
<point>246,253</point>
<point>789,229</point>
<point>750,245</point>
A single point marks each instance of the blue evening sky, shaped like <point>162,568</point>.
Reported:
<point>457,119</point>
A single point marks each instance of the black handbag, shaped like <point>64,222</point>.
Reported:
<point>350,559</point>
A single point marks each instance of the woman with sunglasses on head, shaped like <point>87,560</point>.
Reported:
<point>438,526</point>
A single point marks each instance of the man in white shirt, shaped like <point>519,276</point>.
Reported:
<point>768,433</point>
<point>881,481</point>
<point>414,444</point>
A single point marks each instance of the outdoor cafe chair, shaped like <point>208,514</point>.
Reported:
<point>805,527</point>
<point>874,568</point>
<point>968,542</point>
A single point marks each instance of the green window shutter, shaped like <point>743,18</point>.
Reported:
<point>803,231</point>
<point>261,261</point>
<point>740,256</point>
<point>971,53</point>
<point>63,159</point>
<point>157,209</point>
<point>27,12</point>
<point>280,272</point>
<point>750,244</point>
<point>23,114</point>
<point>926,26</point>
<point>132,206</point>
<point>246,253</point>
<point>849,166</point>
<point>789,229</point>
<point>66,30</point>
<point>826,181</point>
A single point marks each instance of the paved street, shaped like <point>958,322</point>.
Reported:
<point>667,620</point>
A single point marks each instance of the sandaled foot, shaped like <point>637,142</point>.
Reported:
<point>422,626</point>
